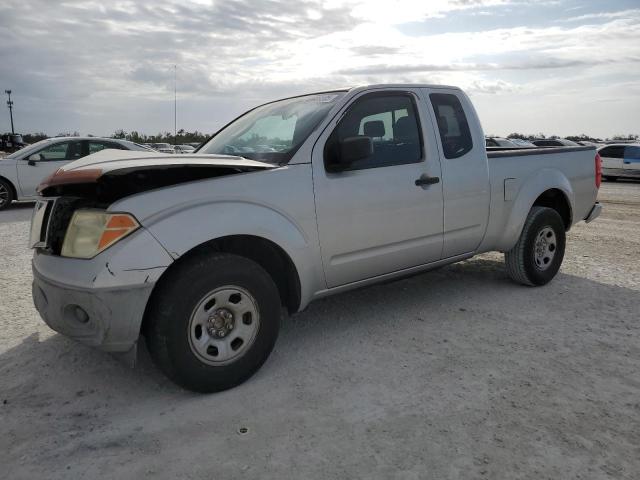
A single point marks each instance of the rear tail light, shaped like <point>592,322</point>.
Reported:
<point>598,170</point>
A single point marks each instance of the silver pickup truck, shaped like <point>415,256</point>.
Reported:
<point>293,201</point>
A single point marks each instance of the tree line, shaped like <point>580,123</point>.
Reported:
<point>182,136</point>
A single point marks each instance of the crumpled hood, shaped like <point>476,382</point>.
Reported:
<point>120,162</point>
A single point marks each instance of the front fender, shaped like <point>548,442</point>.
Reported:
<point>531,188</point>
<point>189,226</point>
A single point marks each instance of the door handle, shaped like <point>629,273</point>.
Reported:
<point>427,180</point>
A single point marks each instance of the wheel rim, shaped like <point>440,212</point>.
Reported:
<point>4,195</point>
<point>224,325</point>
<point>544,248</point>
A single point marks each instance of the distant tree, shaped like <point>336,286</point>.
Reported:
<point>136,137</point>
<point>518,136</point>
<point>34,137</point>
<point>119,134</point>
<point>582,138</point>
<point>626,138</point>
<point>522,136</point>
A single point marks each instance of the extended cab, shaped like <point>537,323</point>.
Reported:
<point>323,193</point>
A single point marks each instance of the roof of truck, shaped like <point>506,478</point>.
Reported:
<point>372,86</point>
<point>404,85</point>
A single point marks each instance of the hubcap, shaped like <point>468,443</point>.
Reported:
<point>4,195</point>
<point>544,248</point>
<point>223,325</point>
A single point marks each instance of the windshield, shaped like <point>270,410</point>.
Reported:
<point>273,132</point>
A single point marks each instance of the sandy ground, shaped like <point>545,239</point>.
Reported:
<point>457,373</point>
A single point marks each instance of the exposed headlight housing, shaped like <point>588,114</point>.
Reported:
<point>92,231</point>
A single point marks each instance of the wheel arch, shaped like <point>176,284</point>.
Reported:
<point>557,200</point>
<point>270,256</point>
<point>548,188</point>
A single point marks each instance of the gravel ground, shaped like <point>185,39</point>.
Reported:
<point>457,373</point>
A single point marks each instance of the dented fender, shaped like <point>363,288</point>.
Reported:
<point>101,301</point>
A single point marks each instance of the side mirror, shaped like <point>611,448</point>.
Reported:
<point>355,148</point>
<point>33,158</point>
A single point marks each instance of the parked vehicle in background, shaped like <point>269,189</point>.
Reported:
<point>184,149</point>
<point>522,143</point>
<point>194,144</point>
<point>620,160</point>
<point>201,252</point>
<point>554,142</point>
<point>12,142</point>
<point>22,171</point>
<point>162,147</point>
<point>498,142</point>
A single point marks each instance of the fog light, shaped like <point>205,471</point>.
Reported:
<point>80,314</point>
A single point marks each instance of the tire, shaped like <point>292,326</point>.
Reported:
<point>194,319</point>
<point>6,194</point>
<point>533,266</point>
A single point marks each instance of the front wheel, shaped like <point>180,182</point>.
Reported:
<point>213,321</point>
<point>6,194</point>
<point>536,257</point>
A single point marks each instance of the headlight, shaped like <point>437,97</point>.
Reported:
<point>92,231</point>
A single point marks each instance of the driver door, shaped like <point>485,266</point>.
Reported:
<point>39,165</point>
<point>384,213</point>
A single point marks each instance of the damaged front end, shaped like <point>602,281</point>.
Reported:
<point>99,299</point>
<point>99,180</point>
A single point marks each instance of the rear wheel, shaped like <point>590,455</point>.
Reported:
<point>6,194</point>
<point>536,257</point>
<point>213,321</point>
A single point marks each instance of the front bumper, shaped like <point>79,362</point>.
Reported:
<point>594,213</point>
<point>100,302</point>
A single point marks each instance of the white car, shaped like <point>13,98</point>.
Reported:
<point>162,147</point>
<point>22,171</point>
<point>620,160</point>
<point>184,149</point>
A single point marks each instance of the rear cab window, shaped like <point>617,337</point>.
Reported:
<point>453,126</point>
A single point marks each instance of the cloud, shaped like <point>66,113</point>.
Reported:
<point>630,13</point>
<point>374,50</point>
<point>96,66</point>
<point>547,63</point>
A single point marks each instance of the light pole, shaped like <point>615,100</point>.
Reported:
<point>10,105</point>
<point>175,105</point>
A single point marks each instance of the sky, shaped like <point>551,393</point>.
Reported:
<point>554,67</point>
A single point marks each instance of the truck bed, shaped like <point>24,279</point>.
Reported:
<point>513,172</point>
